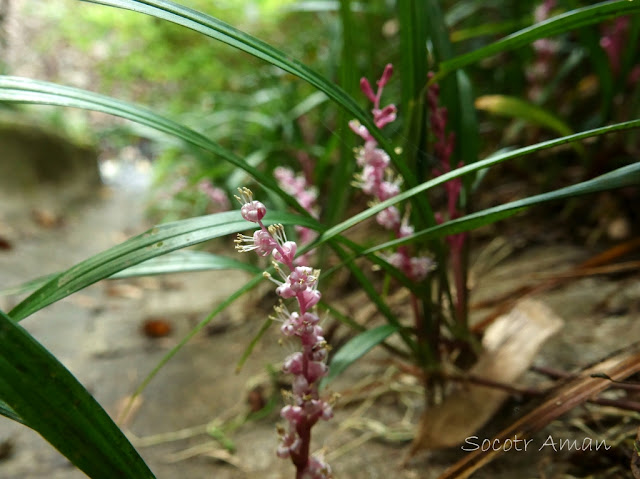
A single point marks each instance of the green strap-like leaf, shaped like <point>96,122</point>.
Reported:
<point>183,262</point>
<point>356,348</point>
<point>6,411</point>
<point>176,262</point>
<point>52,402</point>
<point>479,165</point>
<point>626,176</point>
<point>155,242</point>
<point>553,26</point>
<point>25,90</point>
<point>514,107</point>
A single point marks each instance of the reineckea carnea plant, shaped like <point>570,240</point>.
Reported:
<point>78,426</point>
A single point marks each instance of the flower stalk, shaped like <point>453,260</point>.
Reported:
<point>443,147</point>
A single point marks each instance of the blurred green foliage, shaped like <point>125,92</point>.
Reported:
<point>273,119</point>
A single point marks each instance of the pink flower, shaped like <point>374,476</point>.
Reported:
<point>372,156</point>
<point>386,76</point>
<point>288,252</point>
<point>293,364</point>
<point>389,218</point>
<point>302,278</point>
<point>387,190</point>
<point>251,210</point>
<point>360,130</point>
<point>317,469</point>
<point>293,414</point>
<point>385,116</point>
<point>217,195</point>
<point>365,86</point>
<point>261,242</point>
<point>420,267</point>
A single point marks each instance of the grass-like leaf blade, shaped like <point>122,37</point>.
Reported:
<point>155,242</point>
<point>514,107</point>
<point>184,262</point>
<point>356,348</point>
<point>554,26</point>
<point>52,402</point>
<point>626,176</point>
<point>8,412</point>
<point>25,90</point>
<point>176,262</point>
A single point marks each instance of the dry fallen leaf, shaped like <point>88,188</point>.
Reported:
<point>562,399</point>
<point>510,346</point>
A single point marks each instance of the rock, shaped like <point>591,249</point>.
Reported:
<point>34,157</point>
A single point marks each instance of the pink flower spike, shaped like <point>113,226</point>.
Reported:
<point>365,86</point>
<point>296,282</point>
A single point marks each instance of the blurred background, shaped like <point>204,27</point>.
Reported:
<point>570,83</point>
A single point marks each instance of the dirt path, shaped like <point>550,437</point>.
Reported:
<point>97,334</point>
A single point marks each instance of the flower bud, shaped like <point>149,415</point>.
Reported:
<point>316,370</point>
<point>253,211</point>
<point>293,364</point>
